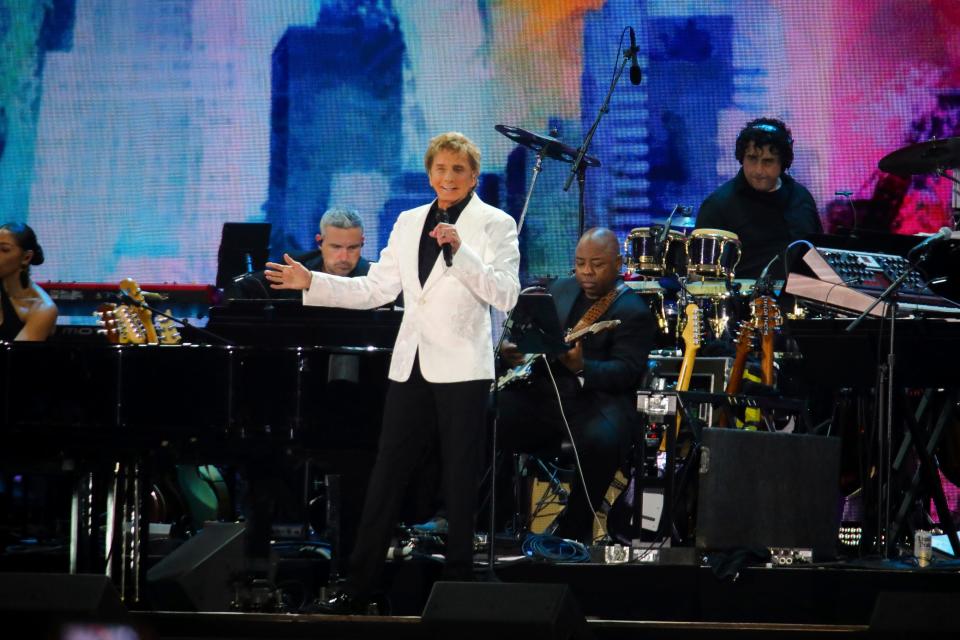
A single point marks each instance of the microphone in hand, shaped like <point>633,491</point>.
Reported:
<point>447,250</point>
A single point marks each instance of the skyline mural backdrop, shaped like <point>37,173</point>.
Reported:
<point>131,130</point>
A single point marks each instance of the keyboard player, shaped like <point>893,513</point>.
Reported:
<point>338,253</point>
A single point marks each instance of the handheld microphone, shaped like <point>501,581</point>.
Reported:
<point>447,251</point>
<point>635,74</point>
<point>945,233</point>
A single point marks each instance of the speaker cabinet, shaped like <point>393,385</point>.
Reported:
<point>760,489</point>
<point>483,610</point>
<point>199,575</point>
<point>59,597</point>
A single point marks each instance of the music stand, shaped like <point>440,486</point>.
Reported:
<point>534,325</point>
<point>244,248</point>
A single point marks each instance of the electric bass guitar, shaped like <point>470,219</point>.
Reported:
<point>523,372</point>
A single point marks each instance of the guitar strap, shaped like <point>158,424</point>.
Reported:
<point>599,308</point>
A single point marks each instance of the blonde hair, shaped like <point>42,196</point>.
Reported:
<point>456,142</point>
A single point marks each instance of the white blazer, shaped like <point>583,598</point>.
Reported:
<point>448,318</point>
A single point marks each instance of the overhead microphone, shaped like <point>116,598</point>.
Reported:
<point>635,73</point>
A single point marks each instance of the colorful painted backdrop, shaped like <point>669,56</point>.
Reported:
<point>131,130</point>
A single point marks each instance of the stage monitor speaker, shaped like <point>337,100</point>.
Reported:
<point>59,597</point>
<point>483,610</point>
<point>760,489</point>
<point>199,574</point>
<point>915,613</point>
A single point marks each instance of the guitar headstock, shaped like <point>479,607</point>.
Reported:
<point>107,319</point>
<point>765,315</point>
<point>166,331</point>
<point>693,327</point>
<point>120,324</point>
<point>130,287</point>
<point>745,336</point>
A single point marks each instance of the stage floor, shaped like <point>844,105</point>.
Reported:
<point>643,601</point>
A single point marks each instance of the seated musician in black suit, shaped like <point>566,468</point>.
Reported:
<point>596,379</point>
<point>26,311</point>
<point>338,252</point>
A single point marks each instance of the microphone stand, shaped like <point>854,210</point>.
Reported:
<point>884,401</point>
<point>579,167</point>
<point>182,322</point>
<point>661,247</point>
<point>495,406</point>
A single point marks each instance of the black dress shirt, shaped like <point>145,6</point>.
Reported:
<point>429,249</point>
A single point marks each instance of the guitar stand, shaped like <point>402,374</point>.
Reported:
<point>661,406</point>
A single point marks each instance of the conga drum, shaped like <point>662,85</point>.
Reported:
<point>640,249</point>
<point>712,253</point>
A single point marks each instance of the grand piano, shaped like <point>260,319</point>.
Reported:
<point>261,385</point>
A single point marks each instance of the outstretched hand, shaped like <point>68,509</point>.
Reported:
<point>291,275</point>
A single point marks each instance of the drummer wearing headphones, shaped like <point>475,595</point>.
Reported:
<point>766,208</point>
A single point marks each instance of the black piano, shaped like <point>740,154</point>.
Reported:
<point>267,383</point>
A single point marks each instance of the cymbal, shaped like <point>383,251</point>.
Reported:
<point>552,148</point>
<point>922,157</point>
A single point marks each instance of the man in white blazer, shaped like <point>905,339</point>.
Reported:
<point>453,259</point>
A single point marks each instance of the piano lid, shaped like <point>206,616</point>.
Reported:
<point>290,323</point>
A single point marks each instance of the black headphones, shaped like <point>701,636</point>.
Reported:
<point>772,128</point>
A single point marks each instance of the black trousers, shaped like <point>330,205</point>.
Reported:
<point>529,421</point>
<point>417,415</point>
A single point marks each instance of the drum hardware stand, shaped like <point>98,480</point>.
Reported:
<point>537,167</point>
<point>582,161</point>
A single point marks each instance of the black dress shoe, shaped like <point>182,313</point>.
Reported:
<point>341,604</point>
